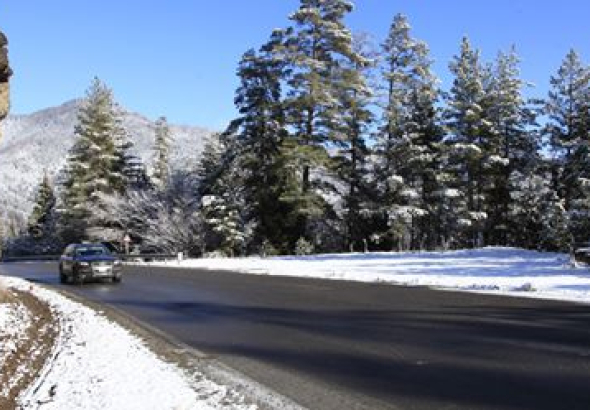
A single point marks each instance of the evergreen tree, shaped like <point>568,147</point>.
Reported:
<point>213,162</point>
<point>355,99</point>
<point>314,49</point>
<point>260,131</point>
<point>396,69</point>
<point>568,132</point>
<point>469,129</point>
<point>41,220</point>
<point>94,165</point>
<point>511,145</point>
<point>161,168</point>
<point>221,192</point>
<point>130,165</point>
<point>222,216</point>
<point>408,141</point>
<point>536,210</point>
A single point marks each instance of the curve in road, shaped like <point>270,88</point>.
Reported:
<point>345,345</point>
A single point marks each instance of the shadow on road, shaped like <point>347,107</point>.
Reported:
<point>482,357</point>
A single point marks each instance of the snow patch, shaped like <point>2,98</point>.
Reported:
<point>14,321</point>
<point>508,271</point>
<point>99,365</point>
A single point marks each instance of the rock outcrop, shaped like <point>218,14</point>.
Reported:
<point>5,73</point>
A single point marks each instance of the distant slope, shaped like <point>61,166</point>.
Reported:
<point>36,143</point>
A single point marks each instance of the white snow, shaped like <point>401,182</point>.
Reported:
<point>14,320</point>
<point>99,365</point>
<point>96,364</point>
<point>497,270</point>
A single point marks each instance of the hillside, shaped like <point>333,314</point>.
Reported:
<point>39,142</point>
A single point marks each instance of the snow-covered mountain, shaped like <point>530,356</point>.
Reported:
<point>39,142</point>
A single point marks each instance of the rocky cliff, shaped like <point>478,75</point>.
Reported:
<point>5,73</point>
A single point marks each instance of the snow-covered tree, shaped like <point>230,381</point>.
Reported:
<point>93,165</point>
<point>511,146</point>
<point>315,48</point>
<point>162,142</point>
<point>41,221</point>
<point>408,141</point>
<point>222,198</point>
<point>214,160</point>
<point>469,129</point>
<point>39,237</point>
<point>130,165</point>
<point>163,220</point>
<point>537,212</point>
<point>355,100</point>
<point>223,218</point>
<point>568,132</point>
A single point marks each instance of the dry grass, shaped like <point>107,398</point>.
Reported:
<point>5,295</point>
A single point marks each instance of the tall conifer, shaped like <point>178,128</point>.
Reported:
<point>568,132</point>
<point>315,48</point>
<point>94,164</point>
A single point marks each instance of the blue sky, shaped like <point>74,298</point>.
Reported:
<point>178,57</point>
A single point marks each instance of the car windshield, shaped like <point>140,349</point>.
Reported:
<point>91,251</point>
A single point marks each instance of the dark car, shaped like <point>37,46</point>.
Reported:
<point>83,262</point>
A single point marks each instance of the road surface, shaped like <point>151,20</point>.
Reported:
<point>333,345</point>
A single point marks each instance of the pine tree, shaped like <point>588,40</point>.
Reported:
<point>568,132</point>
<point>213,162</point>
<point>163,140</point>
<point>355,99</point>
<point>222,216</point>
<point>469,130</point>
<point>129,164</point>
<point>511,145</point>
<point>536,211</point>
<point>41,220</point>
<point>408,141</point>
<point>260,131</point>
<point>314,49</point>
<point>396,69</point>
<point>221,192</point>
<point>94,165</point>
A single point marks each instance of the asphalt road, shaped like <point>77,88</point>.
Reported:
<point>341,345</point>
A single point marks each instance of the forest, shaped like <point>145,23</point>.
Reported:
<point>343,143</point>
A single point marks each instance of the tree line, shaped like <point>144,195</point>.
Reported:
<point>342,144</point>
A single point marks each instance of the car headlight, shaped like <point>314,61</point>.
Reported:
<point>117,263</point>
<point>83,264</point>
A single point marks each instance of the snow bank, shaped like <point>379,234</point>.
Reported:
<point>14,321</point>
<point>99,365</point>
<point>498,270</point>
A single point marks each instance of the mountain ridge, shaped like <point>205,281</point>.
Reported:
<point>38,143</point>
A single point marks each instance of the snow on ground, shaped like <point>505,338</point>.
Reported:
<point>497,270</point>
<point>14,321</point>
<point>99,365</point>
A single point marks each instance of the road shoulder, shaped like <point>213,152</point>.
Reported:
<point>206,383</point>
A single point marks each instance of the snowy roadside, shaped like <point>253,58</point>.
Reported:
<point>14,320</point>
<point>96,364</point>
<point>509,271</point>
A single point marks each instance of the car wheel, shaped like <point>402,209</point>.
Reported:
<point>117,279</point>
<point>77,278</point>
<point>62,276</point>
